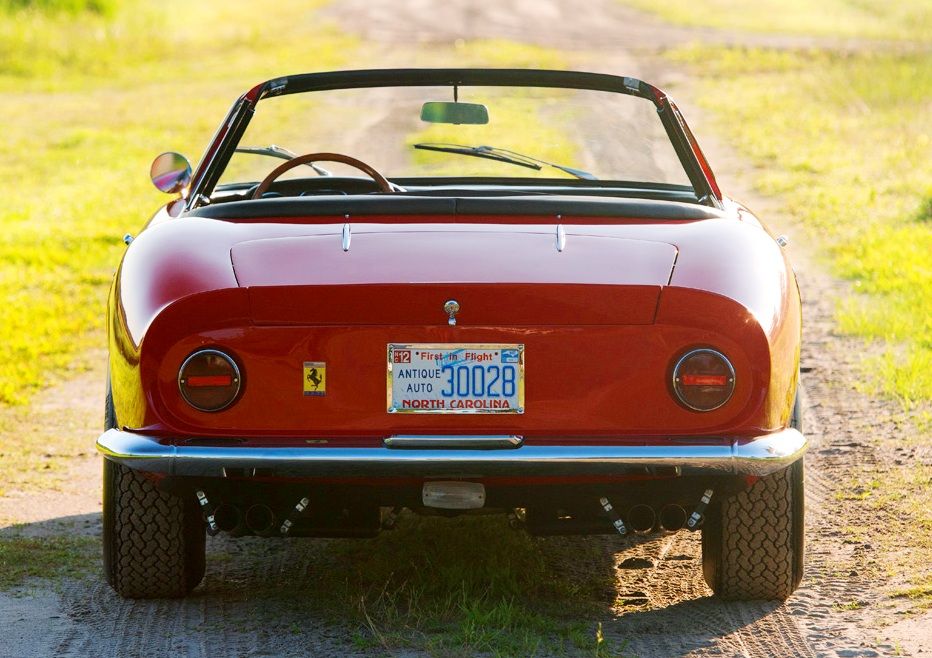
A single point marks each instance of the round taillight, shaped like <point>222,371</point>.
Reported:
<point>703,380</point>
<point>209,380</point>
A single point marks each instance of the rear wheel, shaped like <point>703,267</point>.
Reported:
<point>154,541</point>
<point>753,543</point>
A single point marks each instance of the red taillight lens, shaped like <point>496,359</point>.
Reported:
<point>703,380</point>
<point>209,380</point>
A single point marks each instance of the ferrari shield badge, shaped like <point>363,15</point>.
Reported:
<point>315,378</point>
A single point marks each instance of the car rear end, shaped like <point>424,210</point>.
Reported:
<point>570,373</point>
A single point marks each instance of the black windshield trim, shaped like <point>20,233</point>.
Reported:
<point>359,79</point>
<point>400,205</point>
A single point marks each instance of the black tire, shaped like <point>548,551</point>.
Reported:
<point>753,543</point>
<point>153,541</point>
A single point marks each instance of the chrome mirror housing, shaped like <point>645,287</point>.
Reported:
<point>170,172</point>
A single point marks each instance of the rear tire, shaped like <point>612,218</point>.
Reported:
<point>753,542</point>
<point>154,541</point>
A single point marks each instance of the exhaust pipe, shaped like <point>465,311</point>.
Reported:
<point>641,518</point>
<point>260,519</point>
<point>228,517</point>
<point>672,517</point>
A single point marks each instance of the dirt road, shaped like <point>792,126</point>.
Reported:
<point>253,601</point>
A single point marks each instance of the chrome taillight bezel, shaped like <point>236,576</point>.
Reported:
<point>237,379</point>
<point>675,383</point>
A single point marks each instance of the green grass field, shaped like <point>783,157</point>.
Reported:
<point>447,598</point>
<point>844,140</point>
<point>84,117</point>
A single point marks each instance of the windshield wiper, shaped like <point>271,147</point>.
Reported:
<point>282,154</point>
<point>503,155</point>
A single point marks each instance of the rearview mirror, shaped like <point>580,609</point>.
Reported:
<point>455,113</point>
<point>170,172</point>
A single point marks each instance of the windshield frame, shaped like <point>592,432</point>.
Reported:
<point>228,135</point>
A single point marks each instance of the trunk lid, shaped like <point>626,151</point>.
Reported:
<point>499,277</point>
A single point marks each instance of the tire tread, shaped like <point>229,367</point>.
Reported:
<point>752,547</point>
<point>155,539</point>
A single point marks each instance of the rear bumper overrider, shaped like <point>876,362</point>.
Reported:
<point>472,456</point>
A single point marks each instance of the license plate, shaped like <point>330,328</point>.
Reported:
<point>455,379</point>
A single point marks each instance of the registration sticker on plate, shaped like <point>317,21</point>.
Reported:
<point>455,378</point>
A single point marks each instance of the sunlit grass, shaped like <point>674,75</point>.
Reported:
<point>60,556</point>
<point>422,587</point>
<point>844,140</point>
<point>89,100</point>
<point>902,499</point>
<point>901,19</point>
<point>102,7</point>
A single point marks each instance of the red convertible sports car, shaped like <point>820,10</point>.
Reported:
<point>453,291</point>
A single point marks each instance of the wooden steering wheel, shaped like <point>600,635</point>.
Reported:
<point>379,179</point>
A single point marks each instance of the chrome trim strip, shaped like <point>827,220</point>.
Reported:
<point>758,456</point>
<point>480,442</point>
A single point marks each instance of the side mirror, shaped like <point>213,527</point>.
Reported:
<point>455,113</point>
<point>170,172</point>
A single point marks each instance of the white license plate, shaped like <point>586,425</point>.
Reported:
<point>455,379</point>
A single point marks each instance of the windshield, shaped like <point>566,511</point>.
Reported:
<point>547,133</point>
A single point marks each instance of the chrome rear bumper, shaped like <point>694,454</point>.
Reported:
<point>759,456</point>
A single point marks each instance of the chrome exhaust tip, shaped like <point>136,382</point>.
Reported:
<point>672,517</point>
<point>642,518</point>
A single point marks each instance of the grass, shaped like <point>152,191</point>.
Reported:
<point>844,141</point>
<point>72,7</point>
<point>420,587</point>
<point>920,592</point>
<point>900,501</point>
<point>83,120</point>
<point>903,19</point>
<point>423,587</point>
<point>22,558</point>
